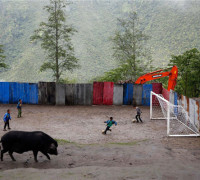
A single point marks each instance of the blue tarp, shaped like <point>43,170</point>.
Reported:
<point>147,88</point>
<point>128,94</point>
<point>4,92</point>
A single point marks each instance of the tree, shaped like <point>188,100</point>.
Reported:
<point>2,58</point>
<point>189,70</point>
<point>114,75</point>
<point>129,46</point>
<point>55,37</point>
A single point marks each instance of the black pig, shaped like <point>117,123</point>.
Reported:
<point>20,141</point>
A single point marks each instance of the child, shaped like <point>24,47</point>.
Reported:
<point>6,119</point>
<point>137,117</point>
<point>109,124</point>
<point>19,107</point>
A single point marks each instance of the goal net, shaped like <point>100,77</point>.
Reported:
<point>178,121</point>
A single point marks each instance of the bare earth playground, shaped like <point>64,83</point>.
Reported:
<point>130,151</point>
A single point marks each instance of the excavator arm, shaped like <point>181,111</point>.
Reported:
<point>173,74</point>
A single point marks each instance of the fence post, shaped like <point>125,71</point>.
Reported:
<point>151,105</point>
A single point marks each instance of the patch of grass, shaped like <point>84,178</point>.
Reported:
<point>64,141</point>
<point>125,144</point>
<point>128,143</point>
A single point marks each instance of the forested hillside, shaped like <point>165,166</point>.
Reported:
<point>174,27</point>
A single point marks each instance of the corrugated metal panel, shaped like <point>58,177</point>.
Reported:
<point>165,94</point>
<point>32,94</point>
<point>20,89</point>
<point>83,94</point>
<point>183,102</point>
<point>47,93</point>
<point>147,88</point>
<point>17,91</point>
<point>118,95</point>
<point>98,93</point>
<point>42,96</point>
<point>13,97</point>
<point>108,93</point>
<point>157,88</point>
<point>79,94</point>
<point>188,104</point>
<point>60,94</point>
<point>175,98</point>
<point>192,104</point>
<point>197,112</point>
<point>27,93</point>
<point>51,93</point>
<point>4,92</point>
<point>128,94</point>
<point>171,96</point>
<point>88,94</point>
<point>70,94</point>
<point>175,102</point>
<point>137,94</point>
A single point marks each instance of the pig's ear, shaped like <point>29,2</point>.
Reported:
<point>52,146</point>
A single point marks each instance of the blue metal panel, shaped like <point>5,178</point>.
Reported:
<point>17,92</point>
<point>176,103</point>
<point>25,96</point>
<point>128,94</point>
<point>147,88</point>
<point>4,92</point>
<point>175,98</point>
<point>33,93</point>
<point>11,92</point>
<point>20,90</point>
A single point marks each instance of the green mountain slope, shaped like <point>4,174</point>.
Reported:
<point>172,25</point>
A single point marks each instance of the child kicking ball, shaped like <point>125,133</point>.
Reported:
<point>109,124</point>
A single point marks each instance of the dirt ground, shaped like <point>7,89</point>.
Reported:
<point>130,151</point>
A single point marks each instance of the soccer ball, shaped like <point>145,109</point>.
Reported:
<point>134,121</point>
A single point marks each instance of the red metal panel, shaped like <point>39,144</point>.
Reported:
<point>188,104</point>
<point>98,93</point>
<point>108,93</point>
<point>165,94</point>
<point>157,88</point>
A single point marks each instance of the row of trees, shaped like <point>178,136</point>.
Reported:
<point>128,45</point>
<point>130,53</point>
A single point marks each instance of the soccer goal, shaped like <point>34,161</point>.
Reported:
<point>178,121</point>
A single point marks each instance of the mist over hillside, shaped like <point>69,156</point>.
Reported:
<point>174,27</point>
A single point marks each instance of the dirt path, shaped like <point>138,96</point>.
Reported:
<point>131,151</point>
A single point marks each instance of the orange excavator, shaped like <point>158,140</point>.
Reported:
<point>173,74</point>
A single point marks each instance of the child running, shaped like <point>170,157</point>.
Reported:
<point>19,108</point>
<point>137,117</point>
<point>6,119</point>
<point>109,124</point>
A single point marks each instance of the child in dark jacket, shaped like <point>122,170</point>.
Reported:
<point>6,120</point>
<point>137,117</point>
<point>109,124</point>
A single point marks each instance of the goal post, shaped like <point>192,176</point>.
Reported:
<point>178,122</point>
